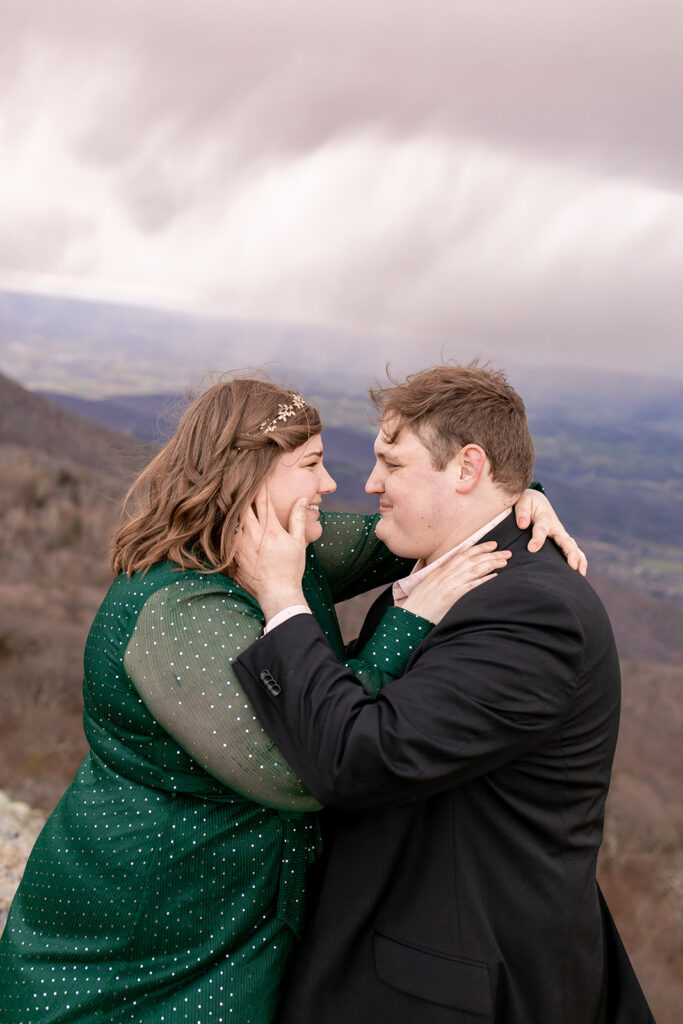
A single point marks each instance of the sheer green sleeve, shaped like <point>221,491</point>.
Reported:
<point>352,560</point>
<point>386,654</point>
<point>179,659</point>
<point>352,557</point>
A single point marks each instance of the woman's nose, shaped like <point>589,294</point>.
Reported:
<point>329,484</point>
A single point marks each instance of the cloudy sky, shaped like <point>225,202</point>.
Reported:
<point>497,177</point>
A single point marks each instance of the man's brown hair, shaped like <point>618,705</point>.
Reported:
<point>449,406</point>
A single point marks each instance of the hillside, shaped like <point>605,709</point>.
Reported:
<point>63,479</point>
<point>33,422</point>
<point>58,504</point>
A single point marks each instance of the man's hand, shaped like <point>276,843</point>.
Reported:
<point>271,559</point>
<point>535,509</point>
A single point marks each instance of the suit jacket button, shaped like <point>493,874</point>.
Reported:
<point>270,682</point>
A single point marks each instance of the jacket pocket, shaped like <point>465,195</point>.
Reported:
<point>435,977</point>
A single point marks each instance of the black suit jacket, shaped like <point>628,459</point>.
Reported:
<point>459,884</point>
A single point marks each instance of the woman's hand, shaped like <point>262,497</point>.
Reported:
<point>533,508</point>
<point>271,559</point>
<point>445,585</point>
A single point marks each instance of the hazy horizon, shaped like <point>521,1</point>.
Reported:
<point>90,347</point>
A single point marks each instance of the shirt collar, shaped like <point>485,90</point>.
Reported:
<point>402,589</point>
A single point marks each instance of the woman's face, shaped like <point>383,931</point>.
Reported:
<point>301,474</point>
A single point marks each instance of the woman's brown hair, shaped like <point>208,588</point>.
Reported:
<point>186,505</point>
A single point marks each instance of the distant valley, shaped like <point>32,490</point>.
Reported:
<point>99,349</point>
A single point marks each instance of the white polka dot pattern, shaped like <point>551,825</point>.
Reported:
<point>179,658</point>
<point>156,891</point>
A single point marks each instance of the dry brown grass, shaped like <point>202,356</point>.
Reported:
<point>641,863</point>
<point>55,518</point>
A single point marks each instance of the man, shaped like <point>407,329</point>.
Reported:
<point>460,881</point>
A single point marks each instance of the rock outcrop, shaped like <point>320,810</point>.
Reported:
<point>19,828</point>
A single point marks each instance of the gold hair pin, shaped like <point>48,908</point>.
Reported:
<point>285,410</point>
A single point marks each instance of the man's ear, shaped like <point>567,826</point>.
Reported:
<point>469,464</point>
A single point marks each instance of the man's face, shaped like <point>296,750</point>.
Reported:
<point>415,500</point>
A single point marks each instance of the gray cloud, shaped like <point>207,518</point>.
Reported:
<point>599,81</point>
<point>506,173</point>
<point>38,243</point>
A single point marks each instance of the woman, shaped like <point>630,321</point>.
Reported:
<point>168,884</point>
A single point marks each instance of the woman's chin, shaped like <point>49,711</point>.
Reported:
<point>314,531</point>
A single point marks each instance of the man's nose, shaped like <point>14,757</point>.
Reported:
<point>374,484</point>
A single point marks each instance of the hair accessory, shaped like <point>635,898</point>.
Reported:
<point>285,410</point>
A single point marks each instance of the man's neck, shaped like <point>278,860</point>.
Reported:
<point>403,588</point>
<point>471,522</point>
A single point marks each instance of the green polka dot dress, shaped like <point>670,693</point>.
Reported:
<point>169,883</point>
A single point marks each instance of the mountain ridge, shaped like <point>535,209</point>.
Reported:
<point>32,421</point>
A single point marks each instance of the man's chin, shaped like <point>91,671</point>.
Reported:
<point>392,542</point>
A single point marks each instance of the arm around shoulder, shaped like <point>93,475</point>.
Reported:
<point>484,688</point>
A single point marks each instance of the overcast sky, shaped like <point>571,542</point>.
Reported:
<point>497,177</point>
